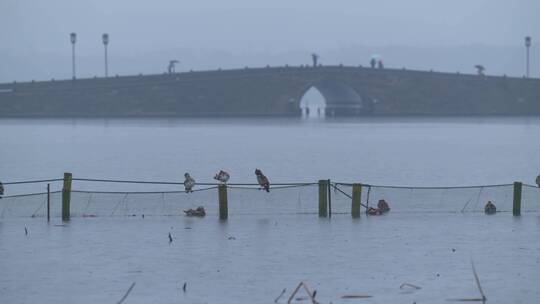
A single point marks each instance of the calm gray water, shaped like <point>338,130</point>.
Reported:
<point>416,152</point>
<point>94,260</point>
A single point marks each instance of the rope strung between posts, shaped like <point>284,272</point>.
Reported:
<point>141,192</point>
<point>253,184</point>
<point>130,181</point>
<point>29,194</point>
<point>248,186</point>
<point>34,181</point>
<point>347,195</point>
<point>181,183</point>
<point>427,188</point>
<point>287,186</point>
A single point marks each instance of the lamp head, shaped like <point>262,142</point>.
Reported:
<point>528,41</point>
<point>105,39</point>
<point>73,37</point>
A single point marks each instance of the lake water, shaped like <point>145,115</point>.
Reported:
<point>414,152</point>
<point>251,258</point>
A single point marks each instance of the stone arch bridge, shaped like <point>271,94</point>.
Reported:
<point>276,91</point>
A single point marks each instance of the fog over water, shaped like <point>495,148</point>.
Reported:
<point>419,34</point>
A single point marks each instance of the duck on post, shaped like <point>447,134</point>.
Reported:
<point>189,183</point>
<point>222,176</point>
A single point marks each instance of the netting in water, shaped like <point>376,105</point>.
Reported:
<point>441,199</point>
<point>241,201</point>
<point>281,200</point>
<point>293,199</point>
<point>30,205</point>
<point>530,198</point>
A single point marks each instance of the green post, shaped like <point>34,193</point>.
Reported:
<point>356,195</point>
<point>517,199</point>
<point>223,205</point>
<point>323,198</point>
<point>329,199</point>
<point>66,197</point>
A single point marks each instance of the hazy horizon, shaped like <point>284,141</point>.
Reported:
<point>204,35</point>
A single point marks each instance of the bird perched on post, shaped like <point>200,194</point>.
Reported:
<point>189,183</point>
<point>222,176</point>
<point>262,180</point>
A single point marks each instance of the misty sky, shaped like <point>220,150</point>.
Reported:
<point>206,34</point>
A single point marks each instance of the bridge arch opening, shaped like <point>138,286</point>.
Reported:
<point>313,104</point>
<point>329,98</point>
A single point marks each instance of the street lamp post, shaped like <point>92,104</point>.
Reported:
<point>527,45</point>
<point>73,38</point>
<point>105,38</point>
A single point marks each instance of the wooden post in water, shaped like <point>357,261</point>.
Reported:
<point>223,205</point>
<point>516,210</point>
<point>323,198</point>
<point>48,202</point>
<point>329,199</point>
<point>66,197</point>
<point>356,195</point>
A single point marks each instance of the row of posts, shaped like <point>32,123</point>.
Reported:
<point>325,199</point>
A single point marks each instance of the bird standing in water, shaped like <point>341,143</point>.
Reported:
<point>262,180</point>
<point>189,183</point>
<point>383,206</point>
<point>222,176</point>
<point>537,180</point>
<point>490,208</point>
<point>1,189</point>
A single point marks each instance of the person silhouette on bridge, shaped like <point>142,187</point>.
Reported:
<point>373,62</point>
<point>480,69</point>
<point>314,58</point>
<point>381,66</point>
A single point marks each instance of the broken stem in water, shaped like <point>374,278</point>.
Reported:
<point>478,281</point>
<point>126,294</point>
<point>280,295</point>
